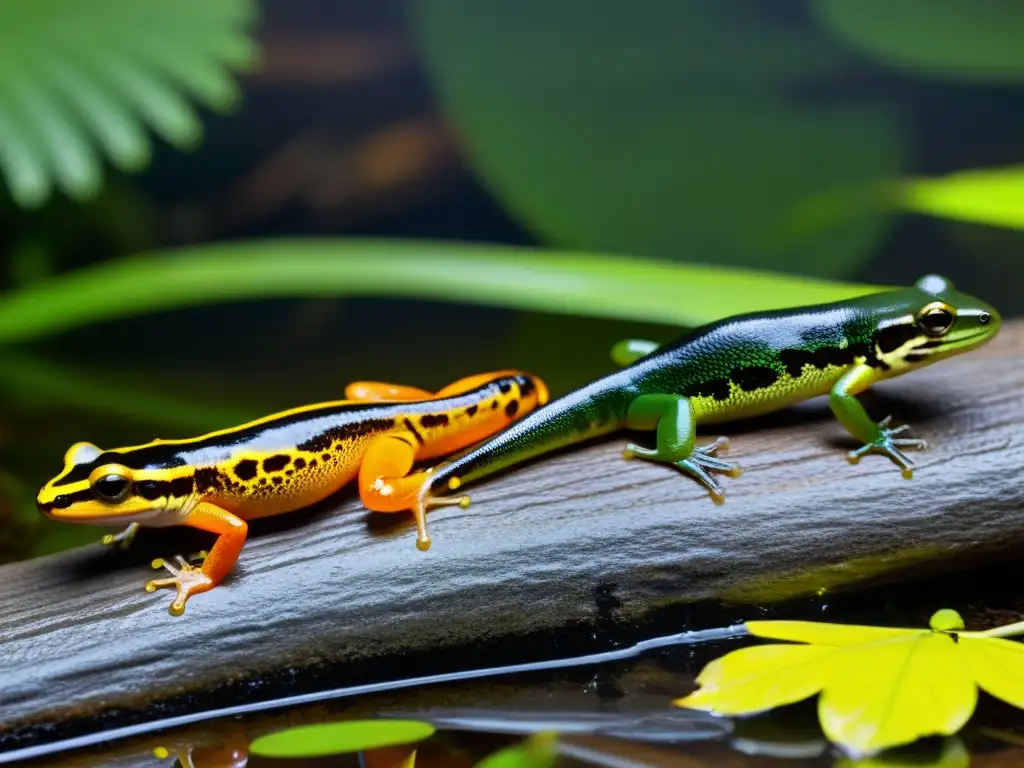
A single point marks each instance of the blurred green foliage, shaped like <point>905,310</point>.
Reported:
<point>953,39</point>
<point>602,128</point>
<point>35,383</point>
<point>674,130</point>
<point>25,533</point>
<point>81,80</point>
<point>993,196</point>
<point>537,751</point>
<point>67,233</point>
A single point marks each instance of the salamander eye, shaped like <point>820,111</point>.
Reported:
<point>112,488</point>
<point>936,321</point>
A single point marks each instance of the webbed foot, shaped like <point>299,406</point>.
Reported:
<point>889,445</point>
<point>186,578</point>
<point>122,539</point>
<point>427,502</point>
<point>700,464</point>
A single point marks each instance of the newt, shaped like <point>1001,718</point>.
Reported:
<point>741,367</point>
<point>283,462</point>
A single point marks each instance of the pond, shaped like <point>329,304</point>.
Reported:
<point>611,706</point>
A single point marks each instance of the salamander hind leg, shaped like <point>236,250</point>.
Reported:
<point>385,484</point>
<point>672,416</point>
<point>378,391</point>
<point>190,580</point>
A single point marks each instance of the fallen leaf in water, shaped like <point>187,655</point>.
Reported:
<point>880,687</point>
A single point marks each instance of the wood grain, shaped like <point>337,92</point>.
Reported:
<point>569,540</point>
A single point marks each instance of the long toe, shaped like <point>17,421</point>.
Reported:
<point>710,462</point>
<point>691,467</point>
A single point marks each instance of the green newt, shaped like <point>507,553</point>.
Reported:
<point>283,462</point>
<point>741,367</point>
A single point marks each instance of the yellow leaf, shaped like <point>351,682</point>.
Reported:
<point>991,196</point>
<point>817,633</point>
<point>880,687</point>
<point>892,693</point>
<point>997,666</point>
<point>755,679</point>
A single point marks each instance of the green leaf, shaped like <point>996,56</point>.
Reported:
<point>603,128</point>
<point>955,39</point>
<point>992,196</point>
<point>538,751</point>
<point>569,283</point>
<point>340,738</point>
<point>80,80</point>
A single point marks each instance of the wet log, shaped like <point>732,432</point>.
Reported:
<point>577,540</point>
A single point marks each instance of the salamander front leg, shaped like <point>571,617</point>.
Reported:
<point>189,580</point>
<point>878,438</point>
<point>672,417</point>
<point>123,539</point>
<point>385,484</point>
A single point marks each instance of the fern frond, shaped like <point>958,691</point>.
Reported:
<point>82,81</point>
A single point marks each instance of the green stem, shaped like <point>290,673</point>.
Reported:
<point>1009,630</point>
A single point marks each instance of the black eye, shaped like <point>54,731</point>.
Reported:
<point>112,488</point>
<point>984,317</point>
<point>936,321</point>
<point>62,502</point>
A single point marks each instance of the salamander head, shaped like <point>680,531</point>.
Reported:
<point>932,321</point>
<point>95,487</point>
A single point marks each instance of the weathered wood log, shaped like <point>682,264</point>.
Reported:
<point>570,540</point>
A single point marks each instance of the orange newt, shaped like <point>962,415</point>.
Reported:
<point>284,462</point>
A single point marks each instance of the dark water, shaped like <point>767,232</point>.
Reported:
<point>612,710</point>
<point>182,373</point>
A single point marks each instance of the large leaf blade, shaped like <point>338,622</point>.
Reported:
<point>954,39</point>
<point>888,694</point>
<point>762,677</point>
<point>602,128</point>
<point>992,196</point>
<point>821,633</point>
<point>599,285</point>
<point>997,666</point>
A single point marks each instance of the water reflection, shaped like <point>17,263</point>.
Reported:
<point>615,713</point>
